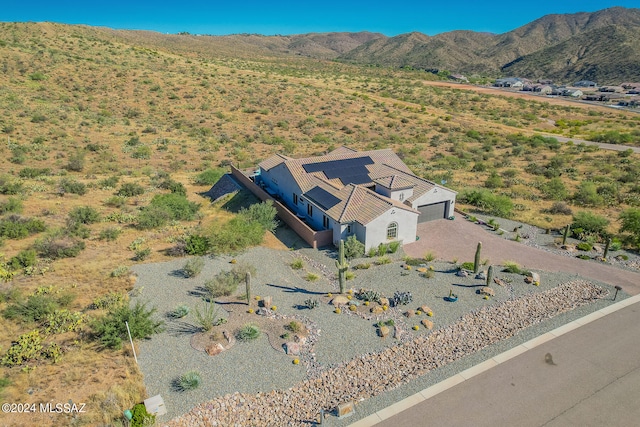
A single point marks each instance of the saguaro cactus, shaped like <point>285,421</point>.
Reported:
<point>489,275</point>
<point>606,249</point>
<point>566,234</point>
<point>342,266</point>
<point>247,281</point>
<point>476,261</point>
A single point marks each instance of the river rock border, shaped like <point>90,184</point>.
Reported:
<point>373,373</point>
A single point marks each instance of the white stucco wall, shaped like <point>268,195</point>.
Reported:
<point>435,195</point>
<point>376,230</point>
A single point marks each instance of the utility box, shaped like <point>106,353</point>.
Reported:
<point>155,405</point>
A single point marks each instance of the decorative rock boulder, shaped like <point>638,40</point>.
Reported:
<point>481,275</point>
<point>427,323</point>
<point>214,349</point>
<point>425,309</point>
<point>340,300</point>
<point>534,279</point>
<point>499,281</point>
<point>409,313</point>
<point>383,331</point>
<point>485,290</point>
<point>292,348</point>
<point>462,273</point>
<point>377,310</point>
<point>384,301</point>
<point>267,301</point>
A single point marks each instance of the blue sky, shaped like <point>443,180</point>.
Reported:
<point>294,17</point>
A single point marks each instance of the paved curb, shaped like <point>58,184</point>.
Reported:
<point>429,392</point>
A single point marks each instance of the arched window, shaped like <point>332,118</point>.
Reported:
<point>392,230</point>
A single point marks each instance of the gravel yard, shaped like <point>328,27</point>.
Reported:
<point>336,339</point>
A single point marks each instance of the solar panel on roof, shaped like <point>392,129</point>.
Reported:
<point>322,198</point>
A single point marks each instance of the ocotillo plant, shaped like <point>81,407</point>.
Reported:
<point>489,275</point>
<point>342,266</point>
<point>247,281</point>
<point>566,234</point>
<point>606,249</point>
<point>476,262</point>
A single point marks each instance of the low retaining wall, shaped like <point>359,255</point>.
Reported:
<point>315,239</point>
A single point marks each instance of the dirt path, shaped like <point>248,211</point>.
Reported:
<point>458,239</point>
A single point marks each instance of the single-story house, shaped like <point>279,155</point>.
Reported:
<point>370,194</point>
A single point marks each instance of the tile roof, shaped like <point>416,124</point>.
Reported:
<point>357,202</point>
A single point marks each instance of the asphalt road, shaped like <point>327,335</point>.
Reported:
<point>587,377</point>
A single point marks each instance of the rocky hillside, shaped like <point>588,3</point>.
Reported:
<point>547,47</point>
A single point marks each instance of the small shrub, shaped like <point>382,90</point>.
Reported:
<point>393,247</point>
<point>429,256</point>
<point>467,266</point>
<point>584,246</point>
<point>368,295</point>
<point>110,233</point>
<point>110,330</point>
<point>428,274</point>
<point>383,249</point>
<point>120,271</point>
<point>560,208</point>
<point>583,256</point>
<point>401,298</point>
<point>349,275</point>
<point>248,332</point>
<point>193,267</point>
<point>71,186</point>
<point>130,189</point>
<point>311,303</point>
<point>84,215</point>
<point>512,267</point>
<point>179,312</point>
<point>109,301</point>
<point>196,244</point>
<point>297,264</point>
<point>209,176</point>
<point>61,321</point>
<point>372,252</point>
<point>24,259</point>
<point>189,381</point>
<point>140,416</point>
<point>311,277</point>
<point>225,283</point>
<point>294,326</point>
<point>116,201</point>
<point>207,316</point>
<point>57,246</point>
<point>142,254</point>
<point>27,348</point>
<point>383,260</point>
<point>11,205</point>
<point>362,266</point>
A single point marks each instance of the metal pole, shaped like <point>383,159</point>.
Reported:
<point>131,340</point>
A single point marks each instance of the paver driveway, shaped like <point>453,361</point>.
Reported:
<point>459,238</point>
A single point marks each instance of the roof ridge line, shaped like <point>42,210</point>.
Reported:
<point>346,204</point>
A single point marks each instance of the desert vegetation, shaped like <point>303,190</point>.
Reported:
<point>111,137</point>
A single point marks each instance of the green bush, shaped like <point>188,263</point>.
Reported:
<point>196,244</point>
<point>589,224</point>
<point>58,246</point>
<point>467,266</point>
<point>193,267</point>
<point>130,189</point>
<point>9,186</point>
<point>235,235</point>
<point>110,233</point>
<point>587,195</point>
<point>165,207</point>
<point>173,186</point>
<point>35,309</point>
<point>209,176</point>
<point>116,201</point>
<point>61,321</point>
<point>179,312</point>
<point>84,215</point>
<point>311,277</point>
<point>189,381</point>
<point>142,254</point>
<point>207,317</point>
<point>393,247</point>
<point>382,249</point>
<point>34,172</point>
<point>120,271</point>
<point>11,205</point>
<point>17,227</point>
<point>152,217</point>
<point>584,246</point>
<point>353,248</point>
<point>512,267</point>
<point>488,202</point>
<point>110,330</point>
<point>28,347</point>
<point>297,264</point>
<point>263,213</point>
<point>362,266</point>
<point>226,282</point>
<point>110,182</point>
<point>140,417</point>
<point>24,259</point>
<point>109,301</point>
<point>248,332</point>
<point>72,186</point>
<point>383,260</point>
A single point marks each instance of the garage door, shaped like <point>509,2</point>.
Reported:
<point>433,211</point>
